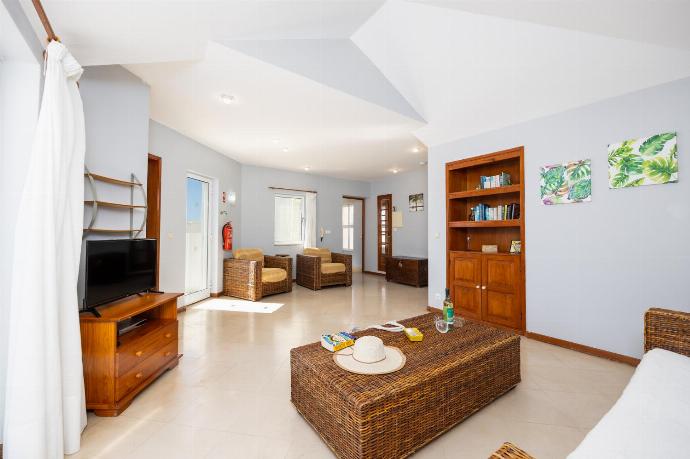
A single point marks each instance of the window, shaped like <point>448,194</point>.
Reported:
<point>348,227</point>
<point>289,220</point>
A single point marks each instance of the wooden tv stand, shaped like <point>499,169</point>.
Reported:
<point>117,368</point>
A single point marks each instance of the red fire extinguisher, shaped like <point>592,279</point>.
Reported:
<point>227,236</point>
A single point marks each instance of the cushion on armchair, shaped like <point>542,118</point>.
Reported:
<point>325,254</point>
<point>332,268</point>
<point>249,254</point>
<point>273,274</point>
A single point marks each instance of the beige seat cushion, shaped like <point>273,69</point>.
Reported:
<point>332,268</point>
<point>249,254</point>
<point>325,254</point>
<point>273,274</point>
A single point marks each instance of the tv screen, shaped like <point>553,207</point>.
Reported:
<point>118,268</point>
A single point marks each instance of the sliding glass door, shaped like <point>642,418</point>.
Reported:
<point>197,285</point>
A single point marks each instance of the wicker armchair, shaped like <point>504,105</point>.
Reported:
<point>251,275</point>
<point>318,268</point>
<point>510,451</point>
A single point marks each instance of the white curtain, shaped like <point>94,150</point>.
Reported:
<point>310,220</point>
<point>45,410</point>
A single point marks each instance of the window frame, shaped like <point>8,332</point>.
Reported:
<point>350,227</point>
<point>277,196</point>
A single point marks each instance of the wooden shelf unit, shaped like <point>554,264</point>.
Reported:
<point>484,286</point>
<point>117,368</point>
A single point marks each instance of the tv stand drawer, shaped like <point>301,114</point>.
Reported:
<point>138,345</point>
<point>137,375</point>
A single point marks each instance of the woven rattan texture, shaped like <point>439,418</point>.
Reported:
<point>447,377</point>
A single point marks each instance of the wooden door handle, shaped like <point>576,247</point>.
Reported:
<point>476,286</point>
<point>138,353</point>
<point>483,287</point>
<point>138,375</point>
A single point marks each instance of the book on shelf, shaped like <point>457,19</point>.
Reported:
<point>483,212</point>
<point>494,181</point>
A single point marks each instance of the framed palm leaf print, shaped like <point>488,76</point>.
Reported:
<point>650,160</point>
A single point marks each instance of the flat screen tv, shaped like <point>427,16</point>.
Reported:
<point>118,268</point>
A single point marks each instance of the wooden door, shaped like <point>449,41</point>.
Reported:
<point>384,212</point>
<point>501,290</point>
<point>153,205</point>
<point>465,283</point>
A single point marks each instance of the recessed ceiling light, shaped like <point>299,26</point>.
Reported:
<point>227,99</point>
<point>286,149</point>
<point>422,163</point>
<point>395,171</point>
<point>306,168</point>
<point>276,140</point>
<point>415,150</point>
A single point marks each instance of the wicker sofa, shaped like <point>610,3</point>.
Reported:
<point>251,275</point>
<point>319,267</point>
<point>650,419</point>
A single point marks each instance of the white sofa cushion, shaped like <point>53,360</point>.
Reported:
<point>651,419</point>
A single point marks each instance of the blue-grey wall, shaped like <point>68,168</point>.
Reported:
<point>258,206</point>
<point>592,268</point>
<point>181,155</point>
<point>411,239</point>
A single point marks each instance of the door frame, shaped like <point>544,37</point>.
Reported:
<point>379,198</point>
<point>212,256</point>
<point>364,233</point>
<point>153,207</point>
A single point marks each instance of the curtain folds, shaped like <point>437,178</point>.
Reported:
<point>310,220</point>
<point>45,408</point>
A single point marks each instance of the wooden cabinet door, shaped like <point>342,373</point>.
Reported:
<point>501,290</point>
<point>465,284</point>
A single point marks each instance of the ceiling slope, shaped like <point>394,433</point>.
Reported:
<point>279,119</point>
<point>121,32</point>
<point>468,73</point>
<point>336,63</point>
<point>660,22</point>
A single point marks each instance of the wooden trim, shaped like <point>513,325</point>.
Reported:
<point>584,349</point>
<point>374,273</point>
<point>216,294</point>
<point>433,309</point>
<point>51,36</point>
<point>153,202</point>
<point>389,217</point>
<point>486,158</point>
<point>291,189</point>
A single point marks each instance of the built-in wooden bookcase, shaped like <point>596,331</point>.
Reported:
<point>489,287</point>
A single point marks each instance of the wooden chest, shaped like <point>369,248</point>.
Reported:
<point>407,270</point>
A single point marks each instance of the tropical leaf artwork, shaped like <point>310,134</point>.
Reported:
<point>566,183</point>
<point>647,161</point>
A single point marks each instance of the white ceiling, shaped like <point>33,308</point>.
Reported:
<point>467,73</point>
<point>324,129</point>
<point>437,70</point>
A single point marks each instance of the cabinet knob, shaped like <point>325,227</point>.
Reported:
<point>138,353</point>
<point>483,287</point>
<point>138,375</point>
<point>168,354</point>
<point>476,286</point>
<point>168,335</point>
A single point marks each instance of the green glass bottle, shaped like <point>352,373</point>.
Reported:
<point>448,311</point>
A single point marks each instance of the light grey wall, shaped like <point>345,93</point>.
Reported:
<point>20,83</point>
<point>411,239</point>
<point>116,113</point>
<point>181,155</point>
<point>592,268</point>
<point>258,206</point>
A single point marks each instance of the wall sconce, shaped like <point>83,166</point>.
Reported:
<point>397,219</point>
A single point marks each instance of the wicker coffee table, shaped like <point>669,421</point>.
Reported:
<point>447,377</point>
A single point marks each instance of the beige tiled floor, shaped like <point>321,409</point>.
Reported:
<point>230,395</point>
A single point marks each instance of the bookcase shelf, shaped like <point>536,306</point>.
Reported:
<point>501,275</point>
<point>510,189</point>
<point>485,224</point>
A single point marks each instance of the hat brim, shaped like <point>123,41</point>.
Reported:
<point>393,361</point>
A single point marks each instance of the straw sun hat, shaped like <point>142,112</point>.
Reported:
<point>369,356</point>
